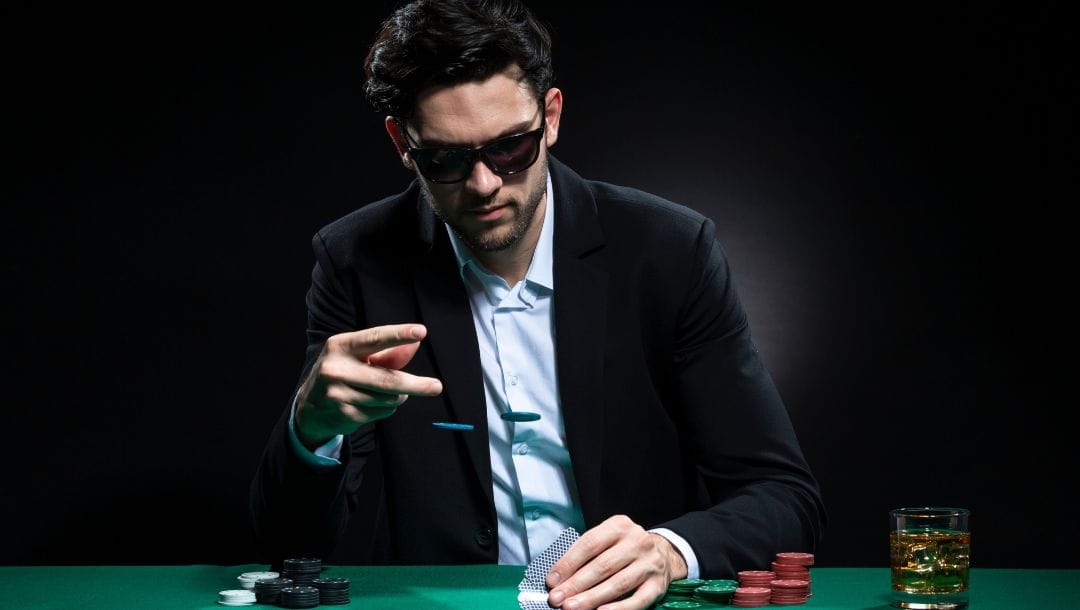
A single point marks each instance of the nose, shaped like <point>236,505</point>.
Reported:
<point>482,181</point>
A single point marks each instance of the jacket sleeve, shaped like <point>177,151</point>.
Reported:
<point>764,497</point>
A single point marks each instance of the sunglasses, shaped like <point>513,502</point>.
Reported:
<point>505,156</point>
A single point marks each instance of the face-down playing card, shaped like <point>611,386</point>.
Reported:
<point>533,588</point>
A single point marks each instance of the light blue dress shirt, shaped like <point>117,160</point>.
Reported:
<point>532,477</point>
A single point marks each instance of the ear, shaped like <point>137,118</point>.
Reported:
<point>394,128</point>
<point>553,111</point>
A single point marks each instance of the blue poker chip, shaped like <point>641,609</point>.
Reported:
<point>445,425</point>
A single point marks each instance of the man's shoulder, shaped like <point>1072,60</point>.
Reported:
<point>627,205</point>
<point>630,200</point>
<point>384,218</point>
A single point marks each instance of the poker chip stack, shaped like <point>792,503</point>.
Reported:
<point>684,589</point>
<point>299,597</point>
<point>236,597</point>
<point>247,579</point>
<point>698,593</point>
<point>793,577</point>
<point>756,578</point>
<point>301,570</point>
<point>268,590</point>
<point>332,591</point>
<point>682,604</point>
<point>753,588</point>
<point>717,592</point>
<point>789,592</point>
<point>751,597</point>
<point>793,566</point>
<point>788,583</point>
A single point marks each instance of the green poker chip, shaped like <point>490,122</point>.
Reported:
<point>715,589</point>
<point>687,583</point>
<point>681,604</point>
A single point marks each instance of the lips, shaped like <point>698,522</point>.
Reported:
<point>488,213</point>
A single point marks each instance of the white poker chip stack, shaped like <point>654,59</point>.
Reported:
<point>236,597</point>
<point>247,579</point>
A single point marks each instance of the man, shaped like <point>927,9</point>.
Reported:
<point>590,334</point>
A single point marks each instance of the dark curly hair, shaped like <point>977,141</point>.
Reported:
<point>430,43</point>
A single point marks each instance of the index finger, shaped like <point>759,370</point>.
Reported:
<point>365,342</point>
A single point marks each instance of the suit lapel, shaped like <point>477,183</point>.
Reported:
<point>445,310</point>
<point>581,294</point>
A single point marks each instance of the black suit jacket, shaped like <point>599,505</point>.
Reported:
<point>670,416</point>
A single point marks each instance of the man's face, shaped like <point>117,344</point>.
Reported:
<point>488,211</point>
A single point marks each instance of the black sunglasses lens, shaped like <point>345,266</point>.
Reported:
<point>443,164</point>
<point>507,156</point>
<point>513,154</point>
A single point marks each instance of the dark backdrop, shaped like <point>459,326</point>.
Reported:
<point>889,182</point>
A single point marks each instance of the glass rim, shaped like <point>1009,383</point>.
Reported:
<point>930,511</point>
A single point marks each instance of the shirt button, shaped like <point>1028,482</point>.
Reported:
<point>522,449</point>
<point>534,515</point>
<point>484,537</point>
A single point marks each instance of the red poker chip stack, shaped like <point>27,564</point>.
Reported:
<point>756,578</point>
<point>789,592</point>
<point>793,575</point>
<point>751,597</point>
<point>787,584</point>
<point>753,588</point>
<point>794,566</point>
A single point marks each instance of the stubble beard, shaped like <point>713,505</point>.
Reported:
<point>495,241</point>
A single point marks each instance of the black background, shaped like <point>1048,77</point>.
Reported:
<point>891,183</point>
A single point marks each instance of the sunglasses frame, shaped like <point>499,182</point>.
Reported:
<point>470,155</point>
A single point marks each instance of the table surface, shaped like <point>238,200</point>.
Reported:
<point>476,587</point>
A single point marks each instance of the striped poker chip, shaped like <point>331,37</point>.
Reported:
<point>747,597</point>
<point>802,559</point>
<point>236,597</point>
<point>756,578</point>
<point>247,579</point>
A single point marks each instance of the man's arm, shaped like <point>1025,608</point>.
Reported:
<point>765,498</point>
<point>736,429</point>
<point>352,379</point>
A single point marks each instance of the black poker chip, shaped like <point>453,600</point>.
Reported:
<point>299,597</point>
<point>303,564</point>
<point>268,591</point>
<point>302,570</point>
<point>332,591</point>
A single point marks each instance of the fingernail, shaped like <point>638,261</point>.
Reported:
<point>554,578</point>
<point>416,332</point>
<point>556,598</point>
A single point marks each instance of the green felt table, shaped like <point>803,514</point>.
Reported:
<point>477,587</point>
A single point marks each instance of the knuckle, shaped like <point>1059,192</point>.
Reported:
<point>604,567</point>
<point>330,368</point>
<point>622,583</point>
<point>384,378</point>
<point>337,392</point>
<point>335,343</point>
<point>375,335</point>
